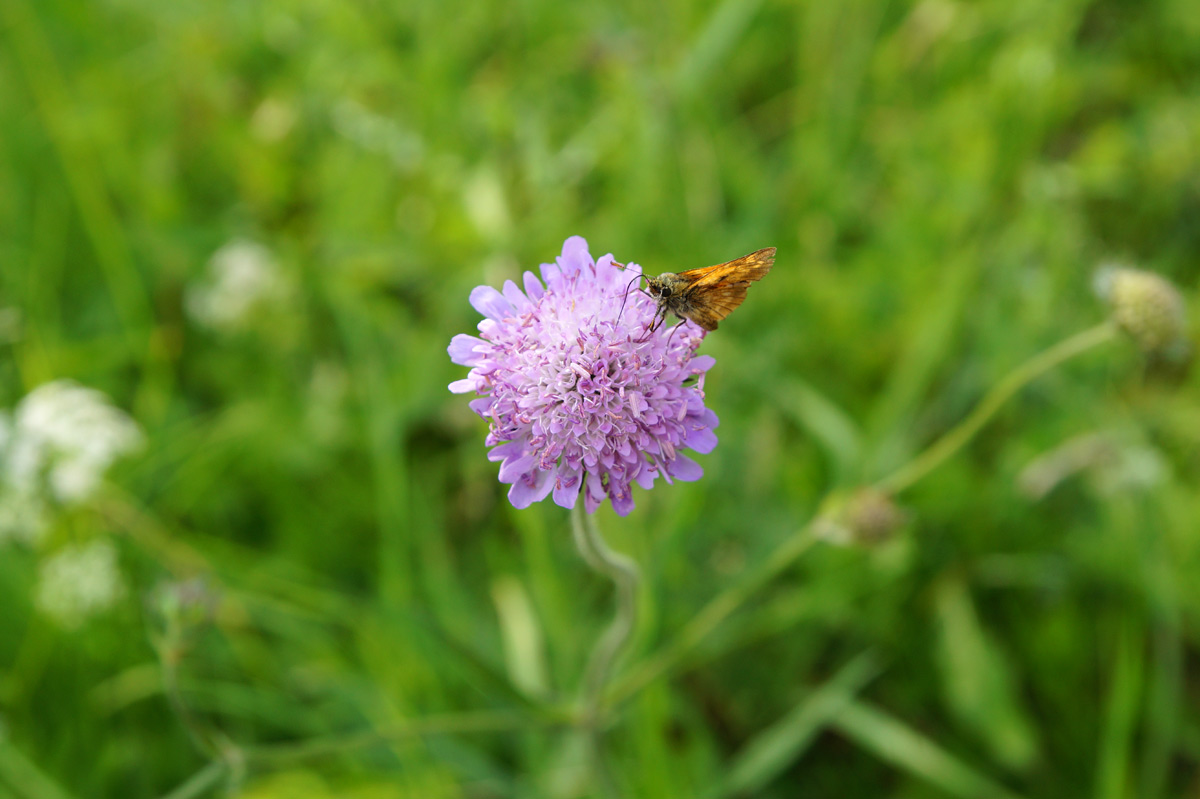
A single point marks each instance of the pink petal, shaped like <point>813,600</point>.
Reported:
<point>646,475</point>
<point>575,256</point>
<point>701,440</point>
<point>593,493</point>
<point>566,487</point>
<point>490,303</point>
<point>622,501</point>
<point>514,469</point>
<point>514,296</point>
<point>510,449</point>
<point>462,349</point>
<point>533,286</point>
<point>685,469</point>
<point>525,492</point>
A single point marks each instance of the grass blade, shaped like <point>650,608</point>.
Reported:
<point>772,750</point>
<point>901,745</point>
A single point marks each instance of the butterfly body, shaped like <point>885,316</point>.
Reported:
<point>708,294</point>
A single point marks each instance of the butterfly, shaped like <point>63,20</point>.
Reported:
<point>708,294</point>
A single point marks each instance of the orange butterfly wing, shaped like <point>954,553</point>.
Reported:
<point>714,292</point>
<point>748,269</point>
<point>716,304</point>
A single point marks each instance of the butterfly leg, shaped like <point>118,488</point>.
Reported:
<point>675,327</point>
<point>655,323</point>
<point>659,318</point>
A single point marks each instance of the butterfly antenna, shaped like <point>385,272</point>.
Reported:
<point>626,297</point>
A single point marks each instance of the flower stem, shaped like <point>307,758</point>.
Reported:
<point>713,614</point>
<point>625,575</point>
<point>724,604</point>
<point>287,754</point>
<point>1010,384</point>
<point>202,782</point>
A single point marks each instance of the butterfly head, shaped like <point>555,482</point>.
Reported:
<point>660,287</point>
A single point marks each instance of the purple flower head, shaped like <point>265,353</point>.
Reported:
<point>573,396</point>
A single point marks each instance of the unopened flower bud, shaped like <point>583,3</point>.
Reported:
<point>183,606</point>
<point>865,517</point>
<point>1146,306</point>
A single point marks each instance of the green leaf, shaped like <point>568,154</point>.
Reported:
<point>832,428</point>
<point>899,744</point>
<point>1113,765</point>
<point>23,774</point>
<point>772,750</point>
<point>978,685</point>
<point>524,651</point>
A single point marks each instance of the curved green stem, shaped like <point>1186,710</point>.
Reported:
<point>625,575</point>
<point>1014,381</point>
<point>280,755</point>
<point>170,652</point>
<point>713,614</point>
<point>731,599</point>
<point>201,782</point>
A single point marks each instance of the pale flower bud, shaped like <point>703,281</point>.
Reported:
<point>181,608</point>
<point>864,517</point>
<point>1146,306</point>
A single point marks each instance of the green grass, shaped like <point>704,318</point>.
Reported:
<point>941,178</point>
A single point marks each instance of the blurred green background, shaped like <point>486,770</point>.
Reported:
<point>325,592</point>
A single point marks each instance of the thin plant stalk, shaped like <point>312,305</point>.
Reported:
<point>795,546</point>
<point>721,607</point>
<point>200,783</point>
<point>169,655</point>
<point>624,573</point>
<point>484,721</point>
<point>957,437</point>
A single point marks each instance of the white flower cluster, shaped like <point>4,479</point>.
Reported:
<point>57,445</point>
<point>79,581</point>
<point>243,278</point>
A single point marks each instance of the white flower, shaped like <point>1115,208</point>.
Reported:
<point>243,278</point>
<point>12,324</point>
<point>78,582</point>
<point>1116,461</point>
<point>23,517</point>
<point>272,120</point>
<point>328,388</point>
<point>67,434</point>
